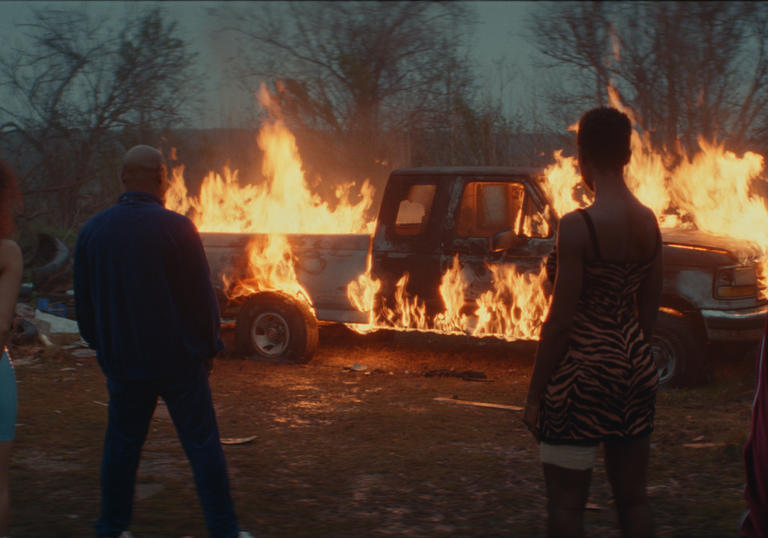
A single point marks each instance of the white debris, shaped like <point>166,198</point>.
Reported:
<point>237,440</point>
<point>25,311</point>
<point>58,325</point>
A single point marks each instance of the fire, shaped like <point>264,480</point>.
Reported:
<point>513,309</point>
<point>270,267</point>
<point>281,204</point>
<point>516,306</point>
<point>709,191</point>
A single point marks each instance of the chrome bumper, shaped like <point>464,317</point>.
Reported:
<point>744,324</point>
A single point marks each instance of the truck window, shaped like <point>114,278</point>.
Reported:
<point>535,222</point>
<point>413,211</point>
<point>487,208</point>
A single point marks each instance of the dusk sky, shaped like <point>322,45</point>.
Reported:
<point>498,37</point>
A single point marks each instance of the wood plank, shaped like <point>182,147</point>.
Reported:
<point>479,404</point>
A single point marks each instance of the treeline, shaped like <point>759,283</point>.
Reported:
<point>365,87</point>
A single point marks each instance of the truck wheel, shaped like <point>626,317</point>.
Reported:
<point>678,351</point>
<point>276,326</point>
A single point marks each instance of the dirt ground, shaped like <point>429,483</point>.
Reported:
<point>355,444</point>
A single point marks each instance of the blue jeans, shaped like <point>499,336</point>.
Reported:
<point>189,403</point>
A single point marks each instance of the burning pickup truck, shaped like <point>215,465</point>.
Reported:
<point>462,251</point>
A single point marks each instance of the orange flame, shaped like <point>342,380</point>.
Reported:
<point>513,309</point>
<point>281,204</point>
<point>709,191</point>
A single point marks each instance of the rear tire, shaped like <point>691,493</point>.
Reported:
<point>273,325</point>
<point>678,349</point>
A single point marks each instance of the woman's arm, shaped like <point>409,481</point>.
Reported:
<point>649,294</point>
<point>11,266</point>
<point>553,340</point>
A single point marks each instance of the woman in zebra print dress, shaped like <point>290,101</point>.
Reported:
<point>595,379</point>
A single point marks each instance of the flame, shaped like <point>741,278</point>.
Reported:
<point>513,309</point>
<point>452,289</point>
<point>281,204</point>
<point>270,267</point>
<point>516,306</point>
<point>709,191</point>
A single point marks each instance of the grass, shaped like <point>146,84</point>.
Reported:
<point>352,453</point>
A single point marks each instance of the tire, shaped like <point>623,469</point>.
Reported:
<point>275,326</point>
<point>678,350</point>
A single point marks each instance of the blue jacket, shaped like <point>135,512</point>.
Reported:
<point>143,294</point>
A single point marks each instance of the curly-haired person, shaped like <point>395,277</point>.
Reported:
<point>11,266</point>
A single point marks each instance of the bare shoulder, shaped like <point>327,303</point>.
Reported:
<point>648,217</point>
<point>572,224</point>
<point>572,232</point>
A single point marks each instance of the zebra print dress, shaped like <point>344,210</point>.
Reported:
<point>604,388</point>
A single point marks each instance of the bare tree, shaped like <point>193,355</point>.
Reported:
<point>76,87</point>
<point>686,68</point>
<point>361,74</point>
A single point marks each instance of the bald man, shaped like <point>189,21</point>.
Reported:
<point>144,302</point>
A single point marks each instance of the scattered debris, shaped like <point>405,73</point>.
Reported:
<point>51,261</point>
<point>57,325</point>
<point>45,340</point>
<point>237,440</point>
<point>44,304</point>
<point>466,375</point>
<point>80,343</point>
<point>26,289</point>
<point>101,403</point>
<point>24,332</point>
<point>25,311</point>
<point>703,445</point>
<point>479,404</point>
<point>358,367</point>
<point>84,353</point>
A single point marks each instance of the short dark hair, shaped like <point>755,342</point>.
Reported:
<point>10,199</point>
<point>604,137</point>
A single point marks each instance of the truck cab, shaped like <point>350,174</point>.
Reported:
<point>431,215</point>
<point>485,221</point>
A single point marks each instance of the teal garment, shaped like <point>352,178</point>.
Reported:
<point>8,405</point>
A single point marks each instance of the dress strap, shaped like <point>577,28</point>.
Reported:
<point>592,232</point>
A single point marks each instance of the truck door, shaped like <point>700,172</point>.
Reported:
<point>407,239</point>
<point>488,206</point>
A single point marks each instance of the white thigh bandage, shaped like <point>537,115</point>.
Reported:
<point>576,457</point>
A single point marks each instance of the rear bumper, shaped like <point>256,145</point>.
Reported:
<point>735,325</point>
